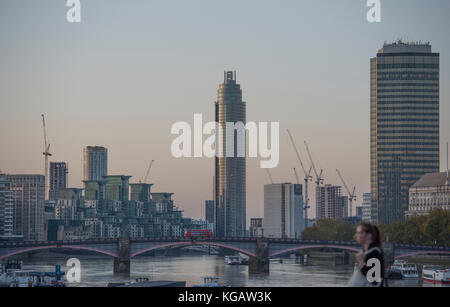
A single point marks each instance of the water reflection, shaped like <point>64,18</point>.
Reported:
<point>97,271</point>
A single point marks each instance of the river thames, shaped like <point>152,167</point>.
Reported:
<point>97,271</point>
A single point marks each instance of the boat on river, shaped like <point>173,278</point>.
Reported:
<point>406,269</point>
<point>436,274</point>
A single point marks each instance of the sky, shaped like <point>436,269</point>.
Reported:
<point>130,69</point>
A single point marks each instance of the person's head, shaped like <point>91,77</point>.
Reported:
<point>367,234</point>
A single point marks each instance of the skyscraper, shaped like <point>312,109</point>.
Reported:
<point>58,178</point>
<point>366,207</point>
<point>6,207</point>
<point>209,211</point>
<point>29,203</point>
<point>95,163</point>
<point>230,175</point>
<point>283,211</point>
<point>404,124</point>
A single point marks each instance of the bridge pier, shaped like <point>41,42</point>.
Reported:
<point>260,263</point>
<point>122,263</point>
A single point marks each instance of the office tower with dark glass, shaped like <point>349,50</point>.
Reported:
<point>230,181</point>
<point>404,124</point>
<point>58,178</point>
<point>209,211</point>
<point>95,163</point>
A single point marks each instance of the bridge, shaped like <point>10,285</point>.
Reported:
<point>260,250</point>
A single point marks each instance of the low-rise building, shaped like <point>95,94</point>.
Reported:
<point>73,233</point>
<point>430,192</point>
<point>256,227</point>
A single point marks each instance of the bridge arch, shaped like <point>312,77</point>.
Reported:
<point>409,254</point>
<point>38,248</point>
<point>193,243</point>
<point>296,248</point>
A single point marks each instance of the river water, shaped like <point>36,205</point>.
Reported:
<point>97,271</point>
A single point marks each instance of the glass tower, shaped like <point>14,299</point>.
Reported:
<point>404,124</point>
<point>230,185</point>
<point>95,163</point>
<point>58,178</point>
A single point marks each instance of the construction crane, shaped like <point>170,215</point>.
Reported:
<point>307,178</point>
<point>319,178</point>
<point>270,176</point>
<point>351,195</point>
<point>148,171</point>
<point>296,176</point>
<point>46,154</point>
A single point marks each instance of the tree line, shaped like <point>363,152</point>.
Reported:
<point>433,229</point>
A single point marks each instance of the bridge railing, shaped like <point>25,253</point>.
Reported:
<point>212,239</point>
<point>60,242</point>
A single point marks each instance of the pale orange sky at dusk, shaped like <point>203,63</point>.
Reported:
<point>125,74</point>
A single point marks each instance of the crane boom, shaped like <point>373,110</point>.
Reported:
<point>318,176</point>
<point>45,132</point>
<point>46,154</point>
<point>351,195</point>
<point>148,171</point>
<point>307,179</point>
<point>46,145</point>
<point>296,152</point>
<point>270,176</point>
<point>343,182</point>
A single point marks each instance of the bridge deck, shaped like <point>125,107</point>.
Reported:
<point>246,246</point>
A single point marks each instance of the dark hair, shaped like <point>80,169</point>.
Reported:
<point>374,231</point>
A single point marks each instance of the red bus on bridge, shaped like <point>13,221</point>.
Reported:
<point>198,234</point>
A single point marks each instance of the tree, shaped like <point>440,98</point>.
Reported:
<point>330,230</point>
<point>433,229</point>
<point>437,227</point>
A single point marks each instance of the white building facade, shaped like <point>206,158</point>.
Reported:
<point>431,192</point>
<point>283,211</point>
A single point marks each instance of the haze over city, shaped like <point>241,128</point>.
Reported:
<point>126,73</point>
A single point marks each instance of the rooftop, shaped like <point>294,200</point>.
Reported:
<point>229,77</point>
<point>431,180</point>
<point>406,47</point>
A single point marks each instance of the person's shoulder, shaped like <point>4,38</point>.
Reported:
<point>374,252</point>
<point>375,249</point>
